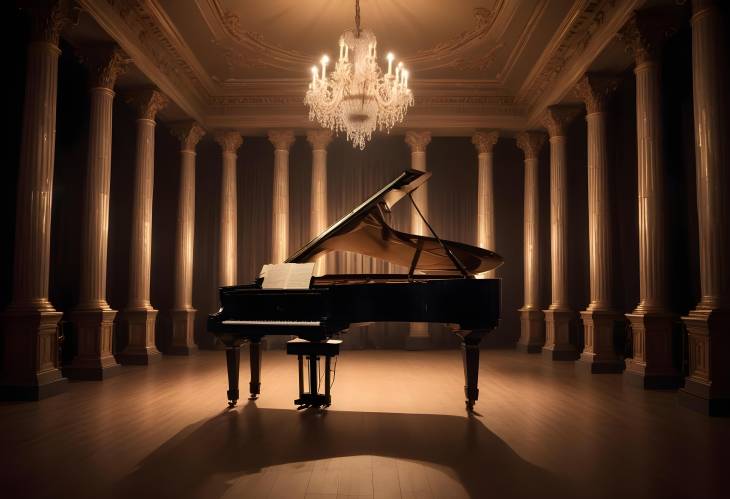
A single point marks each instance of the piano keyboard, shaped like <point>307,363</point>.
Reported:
<point>274,323</point>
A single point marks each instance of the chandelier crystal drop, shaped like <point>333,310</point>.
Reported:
<point>357,97</point>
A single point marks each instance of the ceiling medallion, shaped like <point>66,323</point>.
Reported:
<point>357,97</point>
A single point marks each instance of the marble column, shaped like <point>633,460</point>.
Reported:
<point>532,330</point>
<point>651,321</point>
<point>228,245</point>
<point>600,318</point>
<point>30,368</point>
<point>558,317</point>
<point>707,387</point>
<point>139,317</point>
<point>418,333</point>
<point>93,319</point>
<point>484,143</point>
<point>282,141</point>
<point>319,139</point>
<point>183,313</point>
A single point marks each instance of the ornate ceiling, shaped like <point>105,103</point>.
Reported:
<point>244,64</point>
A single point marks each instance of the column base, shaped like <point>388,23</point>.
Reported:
<point>557,332</point>
<point>418,337</point>
<point>652,366</point>
<point>183,329</point>
<point>95,360</point>
<point>532,331</point>
<point>30,362</point>
<point>599,355</point>
<point>141,349</point>
<point>707,388</point>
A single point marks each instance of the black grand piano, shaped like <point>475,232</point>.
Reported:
<point>439,287</point>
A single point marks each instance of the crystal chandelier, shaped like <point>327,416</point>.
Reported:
<point>357,97</point>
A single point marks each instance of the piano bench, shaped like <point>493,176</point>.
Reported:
<point>299,346</point>
<point>313,350</point>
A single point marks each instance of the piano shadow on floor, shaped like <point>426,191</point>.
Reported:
<point>204,459</point>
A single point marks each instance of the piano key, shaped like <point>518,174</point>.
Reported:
<point>272,323</point>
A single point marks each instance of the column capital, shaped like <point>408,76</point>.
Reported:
<point>106,63</point>
<point>50,17</point>
<point>282,139</point>
<point>188,133</point>
<point>484,141</point>
<point>229,141</point>
<point>530,142</point>
<point>699,6</point>
<point>556,118</point>
<point>319,139</point>
<point>646,30</point>
<point>595,91</point>
<point>418,140</point>
<point>148,102</point>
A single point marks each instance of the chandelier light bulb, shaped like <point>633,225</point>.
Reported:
<point>390,58</point>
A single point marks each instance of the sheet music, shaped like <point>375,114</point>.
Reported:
<point>287,275</point>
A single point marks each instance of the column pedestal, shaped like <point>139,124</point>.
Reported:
<point>532,338</point>
<point>651,366</point>
<point>31,355</point>
<point>557,335</point>
<point>599,355</point>
<point>708,343</point>
<point>94,360</point>
<point>141,349</point>
<point>183,332</point>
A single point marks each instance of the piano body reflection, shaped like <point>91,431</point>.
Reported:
<point>439,287</point>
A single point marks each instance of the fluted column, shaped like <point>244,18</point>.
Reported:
<point>532,334</point>
<point>484,143</point>
<point>228,245</point>
<point>30,360</point>
<point>707,387</point>
<point>139,316</point>
<point>319,139</point>
<point>651,322</point>
<point>559,316</point>
<point>600,318</point>
<point>93,319</point>
<point>183,313</point>
<point>418,334</point>
<point>282,141</point>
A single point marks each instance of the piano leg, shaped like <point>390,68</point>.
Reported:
<point>470,355</point>
<point>255,384</point>
<point>233,356</point>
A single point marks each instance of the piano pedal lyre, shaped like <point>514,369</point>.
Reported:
<point>313,350</point>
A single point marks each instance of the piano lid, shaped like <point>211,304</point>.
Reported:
<point>365,231</point>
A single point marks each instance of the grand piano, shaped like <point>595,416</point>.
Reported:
<point>440,287</point>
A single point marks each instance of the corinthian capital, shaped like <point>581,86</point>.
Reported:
<point>645,32</point>
<point>49,17</point>
<point>595,91</point>
<point>106,63</point>
<point>229,141</point>
<point>530,143</point>
<point>484,141</point>
<point>188,133</point>
<point>418,141</point>
<point>148,102</point>
<point>319,139</point>
<point>282,139</point>
<point>556,118</point>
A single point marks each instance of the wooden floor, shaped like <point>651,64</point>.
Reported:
<point>396,429</point>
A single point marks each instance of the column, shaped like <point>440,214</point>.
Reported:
<point>484,143</point>
<point>651,322</point>
<point>183,313</point>
<point>707,387</point>
<point>418,334</point>
<point>227,246</point>
<point>600,317</point>
<point>319,139</point>
<point>532,330</point>
<point>558,317</point>
<point>30,360</point>
<point>93,319</point>
<point>282,141</point>
<point>139,317</point>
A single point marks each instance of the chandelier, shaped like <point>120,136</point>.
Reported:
<point>356,97</point>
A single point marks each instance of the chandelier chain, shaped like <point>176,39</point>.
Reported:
<point>357,18</point>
